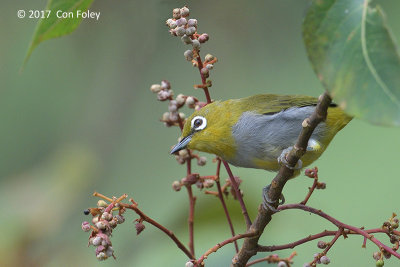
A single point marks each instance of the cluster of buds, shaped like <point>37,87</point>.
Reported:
<point>173,117</point>
<point>391,225</point>
<point>194,178</point>
<point>103,223</point>
<point>180,25</point>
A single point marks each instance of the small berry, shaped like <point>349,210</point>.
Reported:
<point>190,31</point>
<point>168,22</point>
<point>180,99</point>
<point>183,153</point>
<point>180,31</point>
<point>165,85</point>
<point>325,260</point>
<point>210,66</point>
<point>188,55</point>
<point>282,264</point>
<point>173,116</point>
<point>380,263</point>
<point>95,219</point>
<point>189,264</point>
<point>192,23</point>
<point>176,186</point>
<point>176,13</point>
<point>113,223</point>
<point>86,212</point>
<point>185,11</point>
<point>172,24</point>
<point>182,115</point>
<point>196,44</point>
<point>203,38</point>
<point>85,226</point>
<point>106,216</point>
<point>186,39</point>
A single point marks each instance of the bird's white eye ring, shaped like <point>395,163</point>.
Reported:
<point>198,123</point>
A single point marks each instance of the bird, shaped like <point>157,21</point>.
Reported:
<point>257,131</point>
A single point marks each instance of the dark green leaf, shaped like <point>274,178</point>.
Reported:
<point>52,26</point>
<point>354,55</point>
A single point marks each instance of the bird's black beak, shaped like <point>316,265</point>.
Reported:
<point>182,144</point>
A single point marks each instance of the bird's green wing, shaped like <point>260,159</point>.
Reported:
<point>270,104</point>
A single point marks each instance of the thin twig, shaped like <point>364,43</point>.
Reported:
<point>192,201</point>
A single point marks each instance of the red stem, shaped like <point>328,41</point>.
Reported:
<point>203,79</point>
<point>238,194</point>
<point>192,201</point>
<point>159,226</point>
<point>341,225</point>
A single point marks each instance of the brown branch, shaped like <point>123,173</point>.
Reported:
<point>203,79</point>
<point>249,247</point>
<point>192,201</point>
<point>314,174</point>
<point>169,233</point>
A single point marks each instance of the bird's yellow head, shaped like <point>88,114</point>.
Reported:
<point>210,130</point>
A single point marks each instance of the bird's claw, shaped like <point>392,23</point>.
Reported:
<point>282,160</point>
<point>268,203</point>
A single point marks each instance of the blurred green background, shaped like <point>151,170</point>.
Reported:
<point>80,118</point>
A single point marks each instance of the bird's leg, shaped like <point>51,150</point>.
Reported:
<point>268,203</point>
<point>282,160</point>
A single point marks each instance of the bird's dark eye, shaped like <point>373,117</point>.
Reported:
<point>199,123</point>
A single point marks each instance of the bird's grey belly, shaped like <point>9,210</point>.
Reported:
<point>263,137</point>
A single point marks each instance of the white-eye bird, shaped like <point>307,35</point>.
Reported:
<point>252,132</point>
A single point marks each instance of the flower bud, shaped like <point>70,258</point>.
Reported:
<point>165,85</point>
<point>173,116</point>
<point>185,11</point>
<point>173,106</point>
<point>120,218</point>
<point>101,256</point>
<point>190,31</point>
<point>155,88</point>
<point>188,55</point>
<point>186,39</point>
<point>189,264</point>
<point>176,186</point>
<point>208,183</point>
<point>325,260</point>
<point>181,22</point>
<point>97,241</point>
<point>192,23</point>
<point>180,31</point>
<point>203,38</point>
<point>210,66</point>
<point>176,13</point>
<point>204,72</point>
<point>282,264</point>
<point>172,24</point>
<point>322,244</point>
<point>202,161</point>
<point>209,57</point>
<point>196,44</point>
<point>165,116</point>
<point>101,225</point>
<point>85,226</point>
<point>182,115</point>
<point>377,255</point>
<point>180,99</point>
<point>183,153</point>
<point>190,102</point>
<point>101,203</point>
<point>109,251</point>
<point>380,263</point>
<point>139,227</point>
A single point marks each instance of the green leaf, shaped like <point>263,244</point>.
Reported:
<point>52,26</point>
<point>354,55</point>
